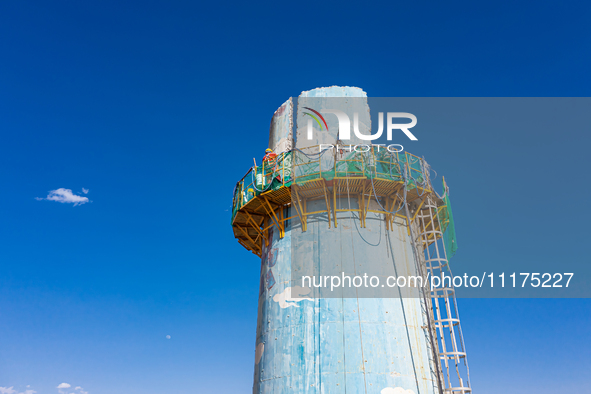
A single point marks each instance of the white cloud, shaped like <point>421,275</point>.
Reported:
<point>61,388</point>
<point>85,191</point>
<point>11,390</point>
<point>64,196</point>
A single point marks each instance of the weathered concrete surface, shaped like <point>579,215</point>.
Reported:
<point>346,99</point>
<point>280,132</point>
<point>337,345</point>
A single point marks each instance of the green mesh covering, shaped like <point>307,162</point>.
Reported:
<point>377,164</point>
<point>447,225</point>
<point>270,175</point>
<point>299,167</point>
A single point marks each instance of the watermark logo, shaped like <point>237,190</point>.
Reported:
<point>318,115</point>
<point>344,131</point>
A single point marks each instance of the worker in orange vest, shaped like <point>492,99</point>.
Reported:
<point>269,155</point>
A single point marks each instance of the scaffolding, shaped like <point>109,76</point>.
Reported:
<point>301,175</point>
<point>400,183</point>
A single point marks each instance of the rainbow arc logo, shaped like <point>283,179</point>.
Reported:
<point>315,118</point>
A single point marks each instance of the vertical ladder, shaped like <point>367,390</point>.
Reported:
<point>453,362</point>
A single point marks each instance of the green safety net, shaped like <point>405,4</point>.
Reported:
<point>372,165</point>
<point>446,220</point>
<point>270,175</point>
<point>299,167</point>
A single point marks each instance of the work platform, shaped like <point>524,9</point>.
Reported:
<point>297,177</point>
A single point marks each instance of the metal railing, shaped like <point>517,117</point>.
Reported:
<point>310,164</point>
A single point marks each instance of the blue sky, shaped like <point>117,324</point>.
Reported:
<point>157,110</point>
